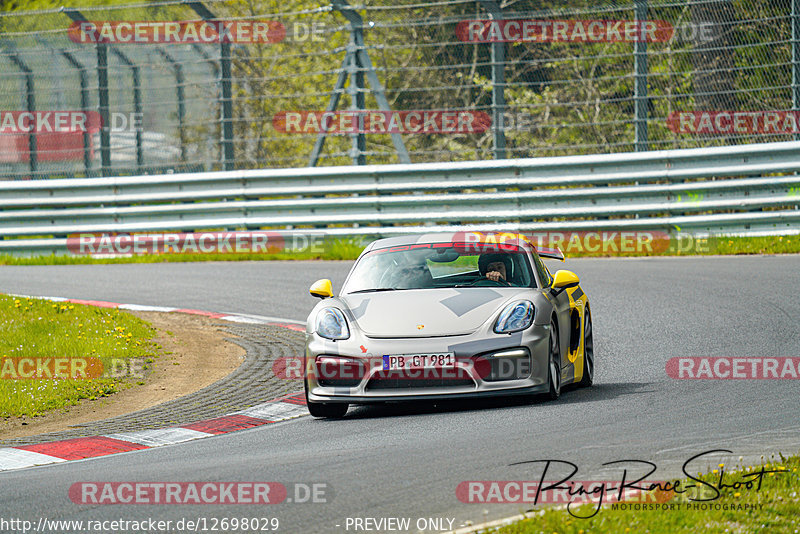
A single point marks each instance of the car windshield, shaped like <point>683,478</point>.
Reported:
<point>439,265</point>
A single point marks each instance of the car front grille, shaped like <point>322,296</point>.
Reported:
<point>398,380</point>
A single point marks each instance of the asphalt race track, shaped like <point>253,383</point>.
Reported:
<point>406,461</point>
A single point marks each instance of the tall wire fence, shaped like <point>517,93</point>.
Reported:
<point>297,83</point>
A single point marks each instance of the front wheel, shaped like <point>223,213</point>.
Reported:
<point>324,409</point>
<point>554,365</point>
<point>588,352</point>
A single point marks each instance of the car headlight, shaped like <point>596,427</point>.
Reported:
<point>331,324</point>
<point>515,317</point>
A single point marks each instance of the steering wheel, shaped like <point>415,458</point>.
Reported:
<point>500,282</point>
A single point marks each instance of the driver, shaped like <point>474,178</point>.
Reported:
<point>495,267</point>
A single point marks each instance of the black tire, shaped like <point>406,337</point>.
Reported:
<point>588,352</point>
<point>553,364</point>
<point>329,411</point>
<point>324,409</point>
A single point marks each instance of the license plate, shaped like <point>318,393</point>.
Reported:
<point>400,362</point>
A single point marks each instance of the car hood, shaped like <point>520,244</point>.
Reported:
<point>425,312</point>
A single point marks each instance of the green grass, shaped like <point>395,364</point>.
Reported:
<point>36,328</point>
<point>789,244</point>
<point>350,248</point>
<point>778,495</point>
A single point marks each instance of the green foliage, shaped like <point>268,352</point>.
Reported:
<point>577,97</point>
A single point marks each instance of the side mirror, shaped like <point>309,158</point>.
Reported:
<point>321,289</point>
<point>565,279</point>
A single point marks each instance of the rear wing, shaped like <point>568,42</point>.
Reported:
<point>550,252</point>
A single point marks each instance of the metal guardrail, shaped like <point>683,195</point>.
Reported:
<point>724,190</point>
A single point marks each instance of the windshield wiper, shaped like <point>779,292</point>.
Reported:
<point>375,290</point>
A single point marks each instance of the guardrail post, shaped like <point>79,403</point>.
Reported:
<point>87,143</point>
<point>102,94</point>
<point>228,161</point>
<point>640,78</point>
<point>215,73</point>
<point>137,110</point>
<point>796,60</point>
<point>357,103</point>
<point>30,105</point>
<point>179,90</point>
<point>137,103</point>
<point>227,105</point>
<point>498,56</point>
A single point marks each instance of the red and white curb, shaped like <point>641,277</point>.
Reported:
<point>282,409</point>
<point>291,324</point>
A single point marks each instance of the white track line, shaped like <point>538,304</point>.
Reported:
<point>20,458</point>
<point>160,436</point>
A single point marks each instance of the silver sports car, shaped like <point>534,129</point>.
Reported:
<point>445,316</point>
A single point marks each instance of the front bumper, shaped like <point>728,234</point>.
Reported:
<point>479,371</point>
